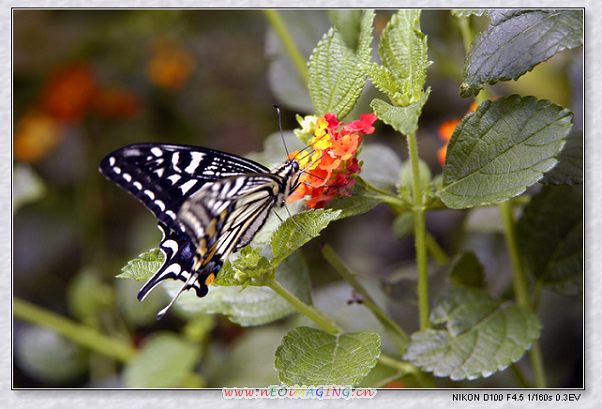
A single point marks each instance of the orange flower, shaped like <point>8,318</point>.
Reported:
<point>446,130</point>
<point>329,170</point>
<point>170,65</point>
<point>36,134</point>
<point>118,103</point>
<point>68,93</point>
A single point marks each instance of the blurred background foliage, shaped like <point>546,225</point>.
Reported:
<point>89,81</point>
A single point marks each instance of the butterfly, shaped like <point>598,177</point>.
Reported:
<point>208,204</point>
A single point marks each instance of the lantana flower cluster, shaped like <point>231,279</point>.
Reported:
<point>330,161</point>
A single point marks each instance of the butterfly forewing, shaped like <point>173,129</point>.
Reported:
<point>162,176</point>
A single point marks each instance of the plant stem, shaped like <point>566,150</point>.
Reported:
<point>464,25</point>
<point>520,377</point>
<point>519,281</point>
<point>403,367</point>
<point>291,48</point>
<point>435,249</point>
<point>406,368</point>
<point>81,334</point>
<point>419,233</point>
<point>310,312</point>
<point>400,336</point>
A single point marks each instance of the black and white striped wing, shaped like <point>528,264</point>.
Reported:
<point>163,176</point>
<point>220,218</point>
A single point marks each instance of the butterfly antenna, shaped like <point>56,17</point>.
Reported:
<point>280,127</point>
<point>190,280</point>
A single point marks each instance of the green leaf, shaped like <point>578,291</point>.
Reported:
<point>336,74</point>
<point>402,119</point>
<point>381,165</point>
<point>306,28</point>
<point>516,41</point>
<point>299,229</point>
<point>144,266</point>
<point>252,305</point>
<point>466,270</point>
<point>242,267</point>
<point>550,234</point>
<point>164,361</point>
<point>481,336</point>
<point>569,169</point>
<point>501,149</point>
<point>309,356</point>
<point>403,51</point>
<point>353,205</point>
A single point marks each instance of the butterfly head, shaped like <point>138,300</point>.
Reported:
<point>288,174</point>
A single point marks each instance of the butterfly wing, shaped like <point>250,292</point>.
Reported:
<point>163,176</point>
<point>218,219</point>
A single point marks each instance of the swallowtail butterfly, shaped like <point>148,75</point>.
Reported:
<point>208,204</point>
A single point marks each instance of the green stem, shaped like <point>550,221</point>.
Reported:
<point>464,25</point>
<point>436,250</point>
<point>519,281</point>
<point>403,367</point>
<point>81,334</point>
<point>419,233</point>
<point>310,312</point>
<point>406,368</point>
<point>400,336</point>
<point>291,48</point>
<point>520,377</point>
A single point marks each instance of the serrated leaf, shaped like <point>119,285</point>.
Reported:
<point>550,234</point>
<point>403,51</point>
<point>501,149</point>
<point>516,41</point>
<point>309,356</point>
<point>242,267</point>
<point>250,306</point>
<point>336,74</point>
<point>569,169</point>
<point>402,119</point>
<point>144,266</point>
<point>306,28</point>
<point>163,362</point>
<point>467,270</point>
<point>299,229</point>
<point>482,336</point>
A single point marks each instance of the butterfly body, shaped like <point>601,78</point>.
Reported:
<point>208,204</point>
